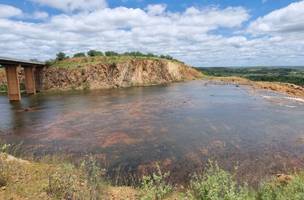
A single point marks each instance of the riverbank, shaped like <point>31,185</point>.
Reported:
<point>286,88</point>
<point>57,179</point>
<point>103,72</point>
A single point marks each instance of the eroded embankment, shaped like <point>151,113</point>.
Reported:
<point>102,72</point>
<point>132,72</point>
<point>287,88</point>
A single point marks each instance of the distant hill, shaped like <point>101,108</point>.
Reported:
<point>294,75</point>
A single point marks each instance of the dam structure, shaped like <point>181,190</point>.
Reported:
<point>33,76</point>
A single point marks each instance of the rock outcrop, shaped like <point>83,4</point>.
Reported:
<point>133,72</point>
<point>99,73</point>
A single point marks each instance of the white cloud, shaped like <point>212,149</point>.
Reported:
<point>156,9</point>
<point>40,15</point>
<point>7,11</point>
<point>74,5</point>
<point>286,20</point>
<point>192,35</point>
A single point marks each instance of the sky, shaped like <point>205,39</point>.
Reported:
<point>202,33</point>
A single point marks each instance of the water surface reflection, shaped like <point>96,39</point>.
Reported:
<point>180,126</point>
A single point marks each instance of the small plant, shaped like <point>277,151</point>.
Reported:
<point>3,88</point>
<point>155,187</point>
<point>3,174</point>
<point>62,185</point>
<point>217,184</point>
<point>12,149</point>
<point>93,175</point>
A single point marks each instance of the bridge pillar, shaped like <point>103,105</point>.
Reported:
<point>13,83</point>
<point>30,80</point>
<point>38,78</point>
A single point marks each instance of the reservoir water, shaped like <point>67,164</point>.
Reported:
<point>180,126</point>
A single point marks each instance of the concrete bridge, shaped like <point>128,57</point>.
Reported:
<point>32,72</point>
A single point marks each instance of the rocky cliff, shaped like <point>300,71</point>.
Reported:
<point>130,72</point>
<point>103,72</point>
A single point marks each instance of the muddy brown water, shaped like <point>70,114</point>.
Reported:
<point>179,126</point>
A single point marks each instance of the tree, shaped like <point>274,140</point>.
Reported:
<point>111,53</point>
<point>93,53</point>
<point>77,55</point>
<point>61,56</point>
<point>166,57</point>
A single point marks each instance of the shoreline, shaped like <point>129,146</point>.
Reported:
<point>55,178</point>
<point>294,91</point>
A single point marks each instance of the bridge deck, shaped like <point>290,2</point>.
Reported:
<point>7,62</point>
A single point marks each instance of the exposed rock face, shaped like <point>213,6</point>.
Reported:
<point>125,74</point>
<point>133,72</point>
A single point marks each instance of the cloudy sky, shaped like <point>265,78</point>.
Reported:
<point>199,32</point>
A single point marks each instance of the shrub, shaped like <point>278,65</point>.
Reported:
<point>78,55</point>
<point>93,53</point>
<point>61,56</point>
<point>111,53</point>
<point>217,184</point>
<point>155,186</point>
<point>94,176</point>
<point>64,184</point>
<point>3,88</point>
<point>168,57</point>
<point>292,189</point>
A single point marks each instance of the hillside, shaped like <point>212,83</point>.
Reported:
<point>111,72</point>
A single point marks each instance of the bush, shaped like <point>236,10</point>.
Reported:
<point>94,175</point>
<point>293,189</point>
<point>155,186</point>
<point>60,56</point>
<point>64,184</point>
<point>217,184</point>
<point>111,53</point>
<point>78,55</point>
<point>166,57</point>
<point>93,53</point>
<point>3,88</point>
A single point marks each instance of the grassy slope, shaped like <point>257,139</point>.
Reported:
<point>84,61</point>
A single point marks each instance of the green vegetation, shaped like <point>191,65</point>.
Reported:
<point>54,178</point>
<point>93,53</point>
<point>155,186</point>
<point>285,75</point>
<point>93,56</point>
<point>61,56</point>
<point>216,184</point>
<point>3,88</point>
<point>78,55</point>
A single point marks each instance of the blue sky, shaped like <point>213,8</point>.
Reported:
<point>199,32</point>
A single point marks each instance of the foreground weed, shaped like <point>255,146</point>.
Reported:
<point>4,175</point>
<point>63,184</point>
<point>94,176</point>
<point>217,184</point>
<point>292,189</point>
<point>155,187</point>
